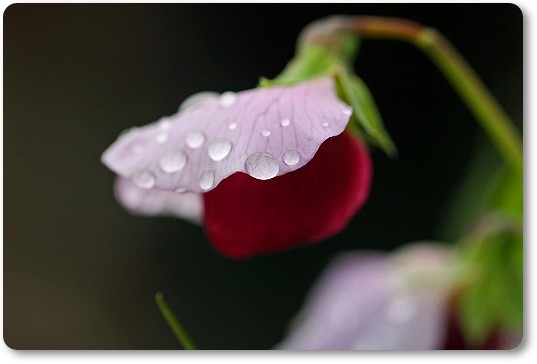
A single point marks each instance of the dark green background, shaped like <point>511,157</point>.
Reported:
<point>80,273</point>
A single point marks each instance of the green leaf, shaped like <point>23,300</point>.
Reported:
<point>178,330</point>
<point>365,112</point>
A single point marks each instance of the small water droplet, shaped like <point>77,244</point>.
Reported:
<point>325,125</point>
<point>285,122</point>
<point>232,126</point>
<point>206,180</point>
<point>400,310</point>
<point>144,179</point>
<point>164,124</point>
<point>194,139</point>
<point>179,190</point>
<point>262,166</point>
<point>219,149</point>
<point>228,99</point>
<point>173,161</point>
<point>162,138</point>
<point>198,99</point>
<point>265,132</point>
<point>347,111</point>
<point>291,157</point>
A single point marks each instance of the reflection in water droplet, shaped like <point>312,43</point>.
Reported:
<point>173,161</point>
<point>162,138</point>
<point>325,125</point>
<point>262,166</point>
<point>194,139</point>
<point>400,310</point>
<point>232,126</point>
<point>144,179</point>
<point>285,122</point>
<point>347,111</point>
<point>291,157</point>
<point>228,99</point>
<point>219,149</point>
<point>206,180</point>
<point>265,132</point>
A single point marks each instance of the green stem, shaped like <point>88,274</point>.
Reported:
<point>464,80</point>
<point>173,323</point>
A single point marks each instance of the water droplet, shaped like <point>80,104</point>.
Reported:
<point>265,132</point>
<point>164,124</point>
<point>228,99</point>
<point>285,122</point>
<point>219,149</point>
<point>162,138</point>
<point>325,125</point>
<point>262,166</point>
<point>194,139</point>
<point>179,190</point>
<point>291,157</point>
<point>198,99</point>
<point>144,179</point>
<point>400,310</point>
<point>206,180</point>
<point>347,111</point>
<point>232,126</point>
<point>173,161</point>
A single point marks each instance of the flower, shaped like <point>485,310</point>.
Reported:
<point>374,301</point>
<point>263,170</point>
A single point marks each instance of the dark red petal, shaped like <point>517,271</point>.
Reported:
<point>245,216</point>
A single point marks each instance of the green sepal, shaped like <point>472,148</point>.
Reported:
<point>491,264</point>
<point>366,117</point>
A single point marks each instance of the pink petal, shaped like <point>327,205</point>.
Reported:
<point>366,302</point>
<point>151,202</point>
<point>264,132</point>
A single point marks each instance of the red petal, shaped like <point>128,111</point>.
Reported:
<point>245,216</point>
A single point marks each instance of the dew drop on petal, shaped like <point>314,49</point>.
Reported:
<point>144,179</point>
<point>194,139</point>
<point>206,180</point>
<point>232,126</point>
<point>285,122</point>
<point>262,166</point>
<point>265,132</point>
<point>162,138</point>
<point>347,111</point>
<point>173,161</point>
<point>325,125</point>
<point>291,157</point>
<point>228,99</point>
<point>219,149</point>
<point>198,99</point>
<point>400,310</point>
<point>164,124</point>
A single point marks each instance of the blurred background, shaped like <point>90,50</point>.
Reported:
<point>81,273</point>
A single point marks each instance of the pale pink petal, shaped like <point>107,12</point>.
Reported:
<point>371,302</point>
<point>152,202</point>
<point>264,132</point>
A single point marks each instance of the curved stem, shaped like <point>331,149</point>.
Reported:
<point>457,71</point>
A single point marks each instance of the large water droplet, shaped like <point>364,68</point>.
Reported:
<point>206,180</point>
<point>232,126</point>
<point>291,157</point>
<point>400,310</point>
<point>285,122</point>
<point>262,166</point>
<point>173,161</point>
<point>144,179</point>
<point>194,139</point>
<point>162,138</point>
<point>265,132</point>
<point>219,149</point>
<point>198,99</point>
<point>228,99</point>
